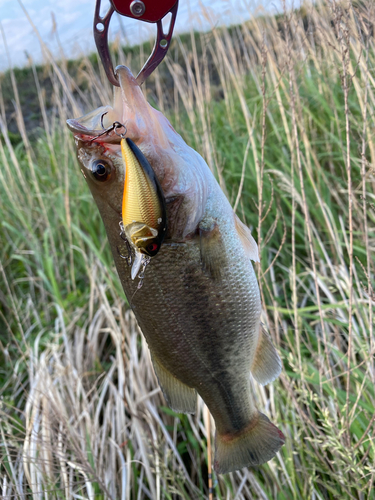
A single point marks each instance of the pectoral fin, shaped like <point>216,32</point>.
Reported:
<point>179,397</point>
<point>267,364</point>
<point>213,255</point>
<point>248,242</point>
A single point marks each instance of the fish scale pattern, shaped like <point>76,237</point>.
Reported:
<point>204,331</point>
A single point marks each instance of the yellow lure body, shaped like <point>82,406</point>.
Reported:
<point>143,203</point>
<point>140,202</point>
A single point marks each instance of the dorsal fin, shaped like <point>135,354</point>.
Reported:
<point>248,242</point>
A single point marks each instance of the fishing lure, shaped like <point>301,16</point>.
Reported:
<point>144,215</point>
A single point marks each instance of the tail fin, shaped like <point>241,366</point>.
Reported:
<point>255,445</point>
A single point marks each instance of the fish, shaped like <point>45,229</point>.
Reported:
<point>199,307</point>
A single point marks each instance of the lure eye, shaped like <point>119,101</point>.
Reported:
<point>101,170</point>
<point>152,247</point>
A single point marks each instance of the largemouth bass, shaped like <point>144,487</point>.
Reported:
<point>199,306</point>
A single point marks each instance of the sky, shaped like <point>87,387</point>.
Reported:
<point>74,20</point>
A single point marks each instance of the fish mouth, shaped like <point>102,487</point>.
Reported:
<point>90,126</point>
<point>130,108</point>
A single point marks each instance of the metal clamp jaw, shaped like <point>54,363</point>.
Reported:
<point>138,10</point>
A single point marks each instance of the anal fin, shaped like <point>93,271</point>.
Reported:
<point>179,397</point>
<point>267,364</point>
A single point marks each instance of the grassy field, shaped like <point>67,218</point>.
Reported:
<point>282,109</point>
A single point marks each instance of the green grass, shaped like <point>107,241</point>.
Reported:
<point>81,414</point>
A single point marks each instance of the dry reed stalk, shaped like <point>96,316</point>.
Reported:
<point>343,38</point>
<point>260,171</point>
<point>293,192</point>
<point>207,423</point>
<point>293,93</point>
<point>364,194</point>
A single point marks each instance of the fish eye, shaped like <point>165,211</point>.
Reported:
<point>101,170</point>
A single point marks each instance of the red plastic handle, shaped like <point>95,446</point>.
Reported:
<point>150,11</point>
